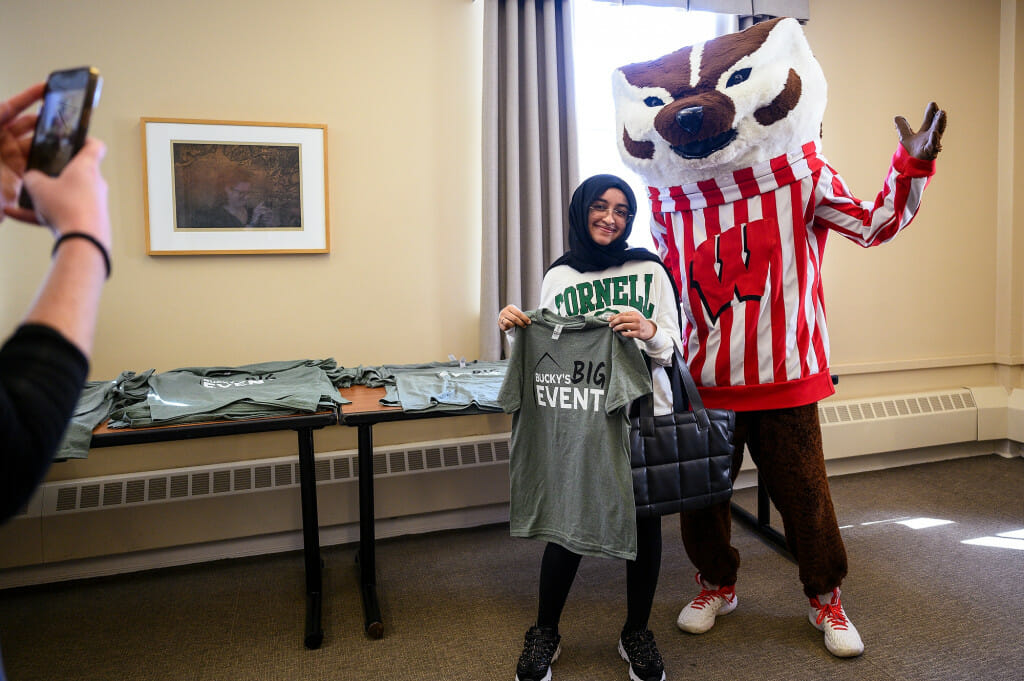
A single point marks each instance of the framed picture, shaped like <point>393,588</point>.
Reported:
<point>225,187</point>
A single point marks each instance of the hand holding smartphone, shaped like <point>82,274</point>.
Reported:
<point>63,123</point>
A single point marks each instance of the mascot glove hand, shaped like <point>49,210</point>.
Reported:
<point>924,144</point>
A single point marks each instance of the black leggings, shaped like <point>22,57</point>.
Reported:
<point>558,570</point>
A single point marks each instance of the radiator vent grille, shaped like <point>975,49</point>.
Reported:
<point>67,498</point>
<point>321,470</point>
<point>179,486</point>
<point>262,476</point>
<point>911,405</point>
<point>113,493</point>
<point>157,489</point>
<point>136,491</point>
<point>200,483</point>
<point>282,474</point>
<point>211,481</point>
<point>416,461</point>
<point>221,482</point>
<point>90,496</point>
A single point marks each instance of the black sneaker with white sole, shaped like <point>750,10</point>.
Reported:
<point>540,649</point>
<point>641,652</point>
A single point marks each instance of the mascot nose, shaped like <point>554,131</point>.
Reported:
<point>690,119</point>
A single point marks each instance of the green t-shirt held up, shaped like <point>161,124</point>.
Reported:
<point>568,384</point>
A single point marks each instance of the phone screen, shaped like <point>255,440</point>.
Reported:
<point>56,130</point>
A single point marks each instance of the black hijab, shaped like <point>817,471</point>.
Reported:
<point>584,255</point>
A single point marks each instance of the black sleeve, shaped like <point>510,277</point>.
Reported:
<point>41,377</point>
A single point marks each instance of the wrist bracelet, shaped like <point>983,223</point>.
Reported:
<point>88,237</point>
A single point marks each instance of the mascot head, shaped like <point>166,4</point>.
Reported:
<point>719,106</point>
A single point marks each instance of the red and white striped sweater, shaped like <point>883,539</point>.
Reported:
<point>746,252</point>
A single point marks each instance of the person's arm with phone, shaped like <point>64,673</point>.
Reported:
<point>44,363</point>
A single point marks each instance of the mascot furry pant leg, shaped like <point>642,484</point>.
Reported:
<point>785,445</point>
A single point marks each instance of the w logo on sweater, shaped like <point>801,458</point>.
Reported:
<point>733,266</point>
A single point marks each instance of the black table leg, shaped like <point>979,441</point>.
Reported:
<point>367,540</point>
<point>761,524</point>
<point>310,540</point>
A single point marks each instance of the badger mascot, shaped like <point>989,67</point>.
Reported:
<point>727,134</point>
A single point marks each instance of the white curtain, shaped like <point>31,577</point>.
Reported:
<point>529,153</point>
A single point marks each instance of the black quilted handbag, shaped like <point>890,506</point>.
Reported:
<point>681,461</point>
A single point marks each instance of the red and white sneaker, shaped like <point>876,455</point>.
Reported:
<point>826,614</point>
<point>699,614</point>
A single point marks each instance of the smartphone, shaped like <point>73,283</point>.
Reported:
<point>68,101</point>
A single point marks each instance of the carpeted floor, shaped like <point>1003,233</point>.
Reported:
<point>456,604</point>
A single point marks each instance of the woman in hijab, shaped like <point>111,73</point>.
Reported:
<point>639,302</point>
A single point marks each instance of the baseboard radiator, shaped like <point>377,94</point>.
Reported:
<point>178,485</point>
<point>901,429</point>
<point>896,423</point>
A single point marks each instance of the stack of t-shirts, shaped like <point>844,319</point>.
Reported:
<point>373,377</point>
<point>195,394</point>
<point>96,403</point>
<point>444,386</point>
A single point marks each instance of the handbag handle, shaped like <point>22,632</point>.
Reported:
<point>683,383</point>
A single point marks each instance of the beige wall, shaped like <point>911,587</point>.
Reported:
<point>928,299</point>
<point>398,85</point>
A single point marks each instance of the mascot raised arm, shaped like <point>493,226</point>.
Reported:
<point>727,134</point>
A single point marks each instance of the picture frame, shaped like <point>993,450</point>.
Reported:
<point>230,187</point>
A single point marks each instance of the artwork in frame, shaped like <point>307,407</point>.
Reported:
<point>227,187</point>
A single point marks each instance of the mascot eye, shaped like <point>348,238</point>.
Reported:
<point>654,101</point>
<point>738,77</point>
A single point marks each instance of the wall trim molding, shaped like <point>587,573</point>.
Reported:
<point>917,364</point>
